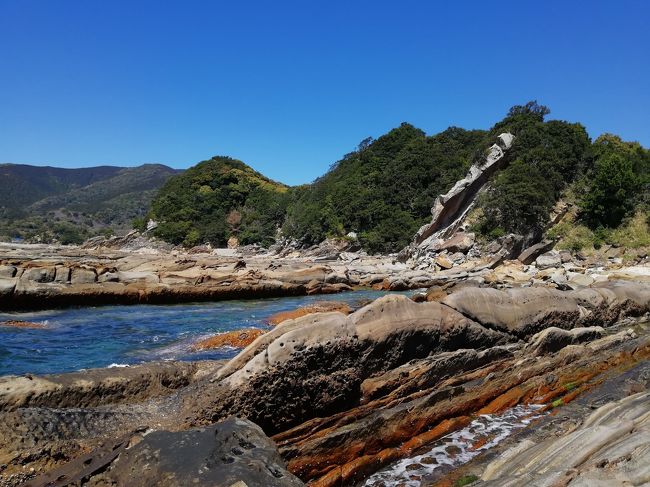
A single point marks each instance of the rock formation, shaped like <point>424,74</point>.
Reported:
<point>450,209</point>
<point>342,395</point>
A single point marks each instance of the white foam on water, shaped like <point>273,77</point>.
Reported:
<point>113,366</point>
<point>456,448</point>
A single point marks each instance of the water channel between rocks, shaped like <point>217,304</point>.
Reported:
<point>455,449</point>
<point>87,337</point>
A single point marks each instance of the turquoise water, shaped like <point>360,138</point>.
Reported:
<point>83,338</point>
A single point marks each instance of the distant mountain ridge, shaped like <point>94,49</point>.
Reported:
<point>22,184</point>
<point>46,203</point>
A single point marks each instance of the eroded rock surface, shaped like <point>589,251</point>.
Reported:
<point>346,395</point>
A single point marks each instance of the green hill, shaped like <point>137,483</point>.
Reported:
<point>69,205</point>
<point>217,199</point>
<point>383,191</point>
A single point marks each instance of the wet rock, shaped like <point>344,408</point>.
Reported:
<point>237,339</point>
<point>318,307</point>
<point>609,448</point>
<point>23,324</point>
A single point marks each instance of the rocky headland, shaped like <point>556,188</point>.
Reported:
<point>334,399</point>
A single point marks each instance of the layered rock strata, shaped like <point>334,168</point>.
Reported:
<point>345,395</point>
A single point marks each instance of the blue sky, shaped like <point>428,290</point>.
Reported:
<point>289,87</point>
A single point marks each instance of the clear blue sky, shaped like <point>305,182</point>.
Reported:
<point>289,87</point>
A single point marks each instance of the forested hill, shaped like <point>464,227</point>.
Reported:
<point>70,205</point>
<point>383,191</point>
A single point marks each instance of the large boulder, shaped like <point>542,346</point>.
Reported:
<point>529,255</point>
<point>548,260</point>
<point>314,365</point>
<point>232,453</point>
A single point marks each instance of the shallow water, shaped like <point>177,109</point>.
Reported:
<point>82,338</point>
<point>456,448</point>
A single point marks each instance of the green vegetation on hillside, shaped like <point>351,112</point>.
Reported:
<point>546,157</point>
<point>218,199</point>
<point>70,205</point>
<point>383,191</point>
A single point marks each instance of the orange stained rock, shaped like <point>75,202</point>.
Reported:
<point>331,479</point>
<point>507,400</point>
<point>319,307</point>
<point>23,324</point>
<point>442,429</point>
<point>237,339</point>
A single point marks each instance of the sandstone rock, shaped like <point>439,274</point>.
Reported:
<point>565,256</point>
<point>81,275</point>
<point>577,280</point>
<point>7,271</point>
<point>318,307</point>
<point>435,293</point>
<point>62,274</point>
<point>609,448</point>
<point>529,255</point>
<point>108,277</point>
<point>553,339</point>
<point>7,287</point>
<point>444,262</point>
<point>237,339</point>
<point>549,259</point>
<point>385,334</point>
<point>522,311</point>
<point>461,242</point>
<point>39,274</point>
<point>99,387</point>
<point>135,276</point>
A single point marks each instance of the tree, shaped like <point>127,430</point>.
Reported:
<point>612,189</point>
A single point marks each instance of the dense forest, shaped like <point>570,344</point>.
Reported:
<point>218,199</point>
<point>383,191</point>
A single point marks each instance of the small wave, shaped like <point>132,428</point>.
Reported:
<point>114,366</point>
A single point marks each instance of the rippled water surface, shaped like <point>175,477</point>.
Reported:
<point>456,448</point>
<point>81,338</point>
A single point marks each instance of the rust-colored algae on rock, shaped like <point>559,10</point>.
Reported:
<point>237,339</point>
<point>319,307</point>
<point>23,324</point>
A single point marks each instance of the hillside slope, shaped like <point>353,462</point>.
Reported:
<point>76,203</point>
<point>218,199</point>
<point>21,184</point>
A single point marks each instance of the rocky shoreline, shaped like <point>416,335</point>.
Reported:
<point>341,396</point>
